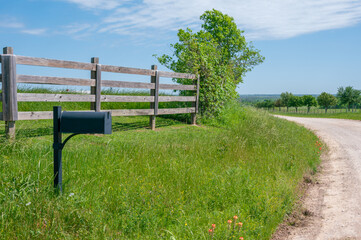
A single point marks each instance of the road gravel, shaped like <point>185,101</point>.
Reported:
<point>334,203</point>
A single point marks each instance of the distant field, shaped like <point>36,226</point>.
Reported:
<point>341,115</point>
<point>253,98</point>
<point>172,183</point>
<point>319,113</point>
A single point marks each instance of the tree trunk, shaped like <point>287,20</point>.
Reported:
<point>326,110</point>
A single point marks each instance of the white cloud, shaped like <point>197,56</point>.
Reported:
<point>261,19</point>
<point>97,4</point>
<point>10,22</point>
<point>37,31</point>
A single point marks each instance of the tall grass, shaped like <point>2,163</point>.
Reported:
<point>167,184</point>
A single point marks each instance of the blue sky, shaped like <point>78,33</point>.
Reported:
<point>310,46</point>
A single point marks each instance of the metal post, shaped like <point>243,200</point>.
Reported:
<point>57,149</point>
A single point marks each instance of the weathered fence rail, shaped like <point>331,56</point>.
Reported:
<point>10,97</point>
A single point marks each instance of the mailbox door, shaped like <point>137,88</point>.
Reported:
<point>86,122</point>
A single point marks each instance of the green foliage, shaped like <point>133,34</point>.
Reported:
<point>167,184</point>
<point>285,98</point>
<point>266,104</point>
<point>348,96</point>
<point>219,54</point>
<point>326,100</point>
<point>295,101</point>
<point>279,103</point>
<point>309,101</point>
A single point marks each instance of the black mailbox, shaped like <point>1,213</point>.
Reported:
<point>86,122</point>
<point>75,123</point>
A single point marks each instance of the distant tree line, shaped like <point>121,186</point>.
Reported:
<point>346,97</point>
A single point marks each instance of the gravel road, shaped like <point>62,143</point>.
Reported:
<point>335,201</point>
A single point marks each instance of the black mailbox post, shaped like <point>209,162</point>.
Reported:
<point>75,123</point>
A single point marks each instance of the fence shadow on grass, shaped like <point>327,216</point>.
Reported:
<point>139,125</point>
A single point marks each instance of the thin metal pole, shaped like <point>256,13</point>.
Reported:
<point>58,181</point>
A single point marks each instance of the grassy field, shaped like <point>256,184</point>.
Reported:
<point>172,183</point>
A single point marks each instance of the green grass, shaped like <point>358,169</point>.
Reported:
<point>172,183</point>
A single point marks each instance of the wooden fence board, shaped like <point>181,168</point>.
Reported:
<point>176,75</point>
<point>55,80</point>
<point>35,115</point>
<point>45,97</point>
<point>123,84</point>
<point>117,98</point>
<point>45,62</point>
<point>91,82</point>
<point>128,70</point>
<point>178,87</point>
<point>175,110</point>
<point>177,98</point>
<point>131,112</point>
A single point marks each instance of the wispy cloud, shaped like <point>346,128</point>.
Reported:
<point>37,31</point>
<point>10,22</point>
<point>261,19</point>
<point>98,4</point>
<point>77,30</point>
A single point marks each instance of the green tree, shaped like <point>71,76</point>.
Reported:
<point>285,98</point>
<point>267,103</point>
<point>279,104</point>
<point>296,102</point>
<point>309,101</point>
<point>219,54</point>
<point>326,100</point>
<point>348,96</point>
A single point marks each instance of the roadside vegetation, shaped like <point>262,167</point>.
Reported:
<point>171,183</point>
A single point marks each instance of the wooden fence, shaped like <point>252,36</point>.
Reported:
<point>10,97</point>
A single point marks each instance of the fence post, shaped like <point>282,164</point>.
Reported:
<point>96,90</point>
<point>155,93</point>
<point>194,115</point>
<point>98,87</point>
<point>9,91</point>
